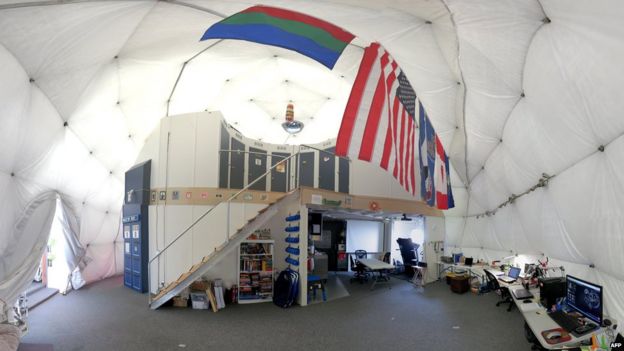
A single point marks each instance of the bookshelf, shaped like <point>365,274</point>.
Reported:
<point>255,271</point>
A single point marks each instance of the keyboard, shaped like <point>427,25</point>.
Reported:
<point>565,321</point>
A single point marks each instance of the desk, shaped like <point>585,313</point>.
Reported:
<point>378,266</point>
<point>476,270</point>
<point>538,320</point>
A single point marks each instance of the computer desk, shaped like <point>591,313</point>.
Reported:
<point>538,320</point>
<point>476,270</point>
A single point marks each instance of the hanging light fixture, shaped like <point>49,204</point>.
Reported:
<point>291,126</point>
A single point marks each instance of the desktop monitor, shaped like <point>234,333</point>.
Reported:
<point>584,297</point>
<point>514,272</point>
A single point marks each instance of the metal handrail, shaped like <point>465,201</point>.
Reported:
<point>217,205</point>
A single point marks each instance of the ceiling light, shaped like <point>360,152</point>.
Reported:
<point>291,126</point>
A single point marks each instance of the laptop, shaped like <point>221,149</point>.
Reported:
<point>512,276</point>
<point>522,294</point>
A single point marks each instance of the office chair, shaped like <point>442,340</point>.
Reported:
<point>359,270</point>
<point>360,254</point>
<point>504,292</point>
<point>386,257</point>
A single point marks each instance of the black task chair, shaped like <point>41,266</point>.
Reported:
<point>385,273</point>
<point>359,269</point>
<point>360,254</point>
<point>505,294</point>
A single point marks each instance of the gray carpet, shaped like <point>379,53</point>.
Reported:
<point>334,288</point>
<point>107,316</point>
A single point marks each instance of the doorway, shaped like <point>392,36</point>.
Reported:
<point>408,228</point>
<point>53,273</point>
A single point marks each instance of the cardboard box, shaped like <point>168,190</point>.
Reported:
<point>199,285</point>
<point>180,301</point>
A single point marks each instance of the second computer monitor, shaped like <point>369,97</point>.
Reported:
<point>585,298</point>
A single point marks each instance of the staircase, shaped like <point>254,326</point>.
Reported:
<point>229,246</point>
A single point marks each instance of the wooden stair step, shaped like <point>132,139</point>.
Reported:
<point>183,276</point>
<point>195,267</point>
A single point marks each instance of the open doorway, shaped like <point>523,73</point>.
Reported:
<point>408,228</point>
<point>53,274</point>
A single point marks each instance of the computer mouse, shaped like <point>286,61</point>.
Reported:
<point>553,335</point>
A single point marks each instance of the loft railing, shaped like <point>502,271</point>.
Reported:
<point>227,204</point>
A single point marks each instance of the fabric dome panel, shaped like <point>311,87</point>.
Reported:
<point>61,47</point>
<point>101,258</point>
<point>589,198</point>
<point>492,66</point>
<point>591,73</point>
<point>15,96</point>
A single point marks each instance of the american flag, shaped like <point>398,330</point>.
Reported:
<point>379,126</point>
<point>379,123</point>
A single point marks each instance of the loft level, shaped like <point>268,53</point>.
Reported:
<point>309,196</point>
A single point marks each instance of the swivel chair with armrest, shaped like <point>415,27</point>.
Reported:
<point>359,270</point>
<point>504,292</point>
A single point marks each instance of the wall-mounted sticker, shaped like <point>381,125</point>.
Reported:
<point>264,197</point>
<point>153,198</point>
<point>317,199</point>
<point>204,195</point>
<point>258,162</point>
<point>326,158</point>
<point>189,194</point>
<point>374,206</point>
<point>163,195</point>
<point>248,197</point>
<point>175,195</point>
<point>281,167</point>
<point>348,200</point>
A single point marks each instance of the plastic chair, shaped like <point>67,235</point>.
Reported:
<point>315,282</point>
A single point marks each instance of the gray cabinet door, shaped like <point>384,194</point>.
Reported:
<point>306,169</point>
<point>279,175</point>
<point>343,175</point>
<point>327,169</point>
<point>257,166</point>
<point>224,158</point>
<point>237,165</point>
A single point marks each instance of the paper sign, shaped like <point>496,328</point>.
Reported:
<point>317,199</point>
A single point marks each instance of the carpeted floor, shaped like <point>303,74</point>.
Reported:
<point>107,316</point>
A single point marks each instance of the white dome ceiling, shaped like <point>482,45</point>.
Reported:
<point>514,88</point>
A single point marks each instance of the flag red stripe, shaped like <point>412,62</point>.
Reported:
<point>355,99</point>
<point>413,147</point>
<point>374,115</point>
<point>385,158</point>
<point>334,30</point>
<point>395,124</point>
<point>408,153</point>
<point>408,133</point>
<point>402,145</point>
<point>441,198</point>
